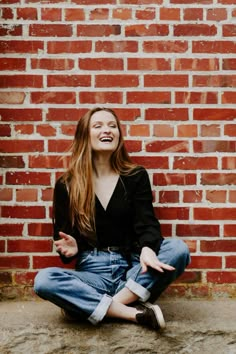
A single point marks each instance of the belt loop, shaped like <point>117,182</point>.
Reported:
<point>95,251</point>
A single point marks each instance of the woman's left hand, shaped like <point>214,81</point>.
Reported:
<point>148,258</point>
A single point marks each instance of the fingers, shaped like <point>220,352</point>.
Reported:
<point>63,235</point>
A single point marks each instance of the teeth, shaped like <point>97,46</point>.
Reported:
<point>106,139</point>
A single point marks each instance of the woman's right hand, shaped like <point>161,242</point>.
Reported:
<point>67,245</point>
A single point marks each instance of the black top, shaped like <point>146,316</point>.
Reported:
<point>128,221</point>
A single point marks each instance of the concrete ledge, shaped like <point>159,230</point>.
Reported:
<point>193,326</point>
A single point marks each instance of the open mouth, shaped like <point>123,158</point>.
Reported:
<point>106,139</point>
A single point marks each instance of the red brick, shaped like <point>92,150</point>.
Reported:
<point>46,130</point>
<point>51,14</point>
<point>23,212</point>
<point>11,229</point>
<point>40,262</point>
<point>168,146</point>
<point>6,194</point>
<point>195,30</point>
<point>220,179</point>
<point>47,194</point>
<point>137,2</point>
<point>5,278</point>
<point>148,64</point>
<point>169,14</point>
<point>221,277</point>
<point>116,80</point>
<point>197,230</point>
<point>168,197</point>
<point>173,114</point>
<point>192,196</point>
<point>65,114</point>
<point>205,262</point>
<point>165,46</point>
<point>12,97</point>
<point>165,80</point>
<point>145,14</point>
<point>214,80</point>
<point>229,230</point>
<point>26,195</point>
<point>216,196</point>
<point>228,97</point>
<point>24,129</point>
<point>163,130</point>
<point>116,47</point>
<point>214,114</point>
<point>30,178</point>
<point>48,162</point>
<point>7,13</point>
<point>230,261</point>
<point>172,213</point>
<point>206,146</point>
<point>98,30</point>
<point>214,213</point>
<point>140,130</point>
<point>52,64</point>
<point>98,14</point>
<point>59,145</point>
<point>122,14</point>
<point>133,146</point>
<point>74,14</point>
<point>193,14</point>
<point>50,30</point>
<point>24,278</point>
<point>11,262</point>
<point>230,129</point>
<point>53,97</point>
<point>29,246</point>
<point>101,64</point>
<point>11,64</point>
<point>146,30</point>
<point>197,64</point>
<point>195,163</point>
<point>229,30</point>
<point>8,114</point>
<point>148,97</point>
<point>210,130</point>
<point>151,161</point>
<point>68,80</point>
<point>5,130</point>
<point>218,246</point>
<point>196,97</point>
<point>26,13</point>
<point>13,30</point>
<point>229,64</point>
<point>17,146</point>
<point>100,97</point>
<point>229,163</point>
<point>187,130</point>
<point>32,47</point>
<point>72,47</point>
<point>40,229</point>
<point>215,14</point>
<point>232,196</point>
<point>164,179</point>
<point>11,162</point>
<point>35,81</point>
<point>213,47</point>
<point>189,277</point>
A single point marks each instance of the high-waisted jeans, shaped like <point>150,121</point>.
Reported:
<point>88,290</point>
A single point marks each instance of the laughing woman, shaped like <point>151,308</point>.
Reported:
<point>104,218</point>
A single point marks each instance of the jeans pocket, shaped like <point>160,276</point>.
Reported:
<point>82,259</point>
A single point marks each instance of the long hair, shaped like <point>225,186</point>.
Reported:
<point>78,177</point>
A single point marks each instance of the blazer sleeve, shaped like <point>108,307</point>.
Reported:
<point>146,225</point>
<point>61,216</point>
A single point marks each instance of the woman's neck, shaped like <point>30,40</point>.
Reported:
<point>102,165</point>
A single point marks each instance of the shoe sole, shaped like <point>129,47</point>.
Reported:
<point>158,313</point>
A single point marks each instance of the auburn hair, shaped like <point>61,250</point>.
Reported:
<point>78,177</point>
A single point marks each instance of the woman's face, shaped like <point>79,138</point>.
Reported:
<point>104,132</point>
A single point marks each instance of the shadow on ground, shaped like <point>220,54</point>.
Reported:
<point>193,326</point>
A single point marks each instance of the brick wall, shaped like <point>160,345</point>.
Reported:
<point>168,69</point>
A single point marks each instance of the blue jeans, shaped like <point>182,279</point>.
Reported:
<point>87,291</point>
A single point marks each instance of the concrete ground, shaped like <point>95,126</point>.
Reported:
<point>193,326</point>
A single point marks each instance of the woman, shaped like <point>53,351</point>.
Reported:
<point>103,217</point>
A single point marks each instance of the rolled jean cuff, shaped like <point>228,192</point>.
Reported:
<point>138,290</point>
<point>100,310</point>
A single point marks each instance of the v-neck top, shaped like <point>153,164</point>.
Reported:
<point>128,221</point>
